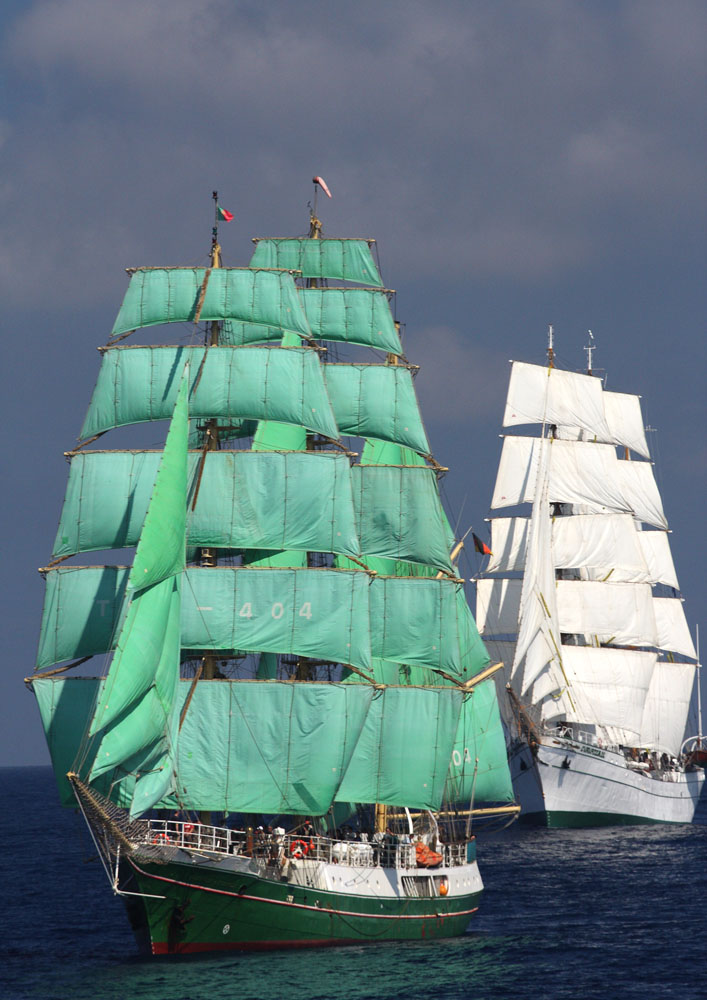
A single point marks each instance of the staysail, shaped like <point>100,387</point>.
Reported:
<point>136,710</point>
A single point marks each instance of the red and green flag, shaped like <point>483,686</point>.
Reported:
<point>223,214</point>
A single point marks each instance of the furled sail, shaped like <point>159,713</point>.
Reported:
<point>136,711</point>
<point>136,384</point>
<point>309,504</point>
<point>347,259</point>
<point>353,315</point>
<point>376,401</point>
<point>258,298</point>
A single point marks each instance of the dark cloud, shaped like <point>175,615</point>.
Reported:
<point>520,164</point>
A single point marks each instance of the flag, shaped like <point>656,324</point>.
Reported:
<point>480,546</point>
<point>223,214</point>
<point>322,184</point>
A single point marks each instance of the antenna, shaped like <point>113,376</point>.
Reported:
<point>550,351</point>
<point>589,348</point>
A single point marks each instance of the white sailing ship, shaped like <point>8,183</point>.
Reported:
<point>581,601</point>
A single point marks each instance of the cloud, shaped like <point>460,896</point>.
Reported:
<point>507,139</point>
<point>469,384</point>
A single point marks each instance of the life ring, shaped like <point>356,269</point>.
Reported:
<point>298,848</point>
<point>443,888</point>
<point>161,838</point>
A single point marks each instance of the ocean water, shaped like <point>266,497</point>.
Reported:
<point>567,915</point>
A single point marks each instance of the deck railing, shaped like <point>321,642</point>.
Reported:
<point>271,847</point>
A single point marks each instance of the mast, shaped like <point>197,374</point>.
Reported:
<point>699,693</point>
<point>207,556</point>
<point>550,347</point>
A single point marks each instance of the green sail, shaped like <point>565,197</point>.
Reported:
<point>348,259</point>
<point>400,515</point>
<point>319,613</point>
<point>336,615</point>
<point>273,747</point>
<point>246,499</point>
<point>352,315</point>
<point>478,770</point>
<point>402,757</point>
<point>425,622</point>
<point>137,705</point>
<point>65,707</point>
<point>376,401</point>
<point>260,299</point>
<point>384,453</point>
<point>245,746</point>
<point>273,436</point>
<point>137,384</point>
<point>80,615</point>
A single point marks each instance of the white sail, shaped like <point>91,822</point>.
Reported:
<point>581,473</point>
<point>542,395</point>
<point>640,492</point>
<point>658,557</point>
<point>603,545</point>
<point>618,613</point>
<point>667,707</point>
<point>609,688</point>
<point>624,421</point>
<point>497,607</point>
<point>672,631</point>
<point>509,538</point>
<point>538,634</point>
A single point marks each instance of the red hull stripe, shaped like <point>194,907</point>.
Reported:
<point>305,906</point>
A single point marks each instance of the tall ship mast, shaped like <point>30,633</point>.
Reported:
<point>581,601</point>
<point>267,693</point>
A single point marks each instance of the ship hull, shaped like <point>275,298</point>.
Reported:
<point>567,784</point>
<point>181,908</point>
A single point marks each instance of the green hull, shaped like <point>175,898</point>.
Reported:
<point>232,911</point>
<point>558,820</point>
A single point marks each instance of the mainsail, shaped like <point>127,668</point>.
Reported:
<point>291,633</point>
<point>581,597</point>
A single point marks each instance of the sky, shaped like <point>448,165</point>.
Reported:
<point>518,164</point>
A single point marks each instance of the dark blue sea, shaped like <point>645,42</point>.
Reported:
<point>611,913</point>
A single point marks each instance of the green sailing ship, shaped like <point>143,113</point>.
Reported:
<point>293,726</point>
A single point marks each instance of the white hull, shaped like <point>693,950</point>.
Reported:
<point>566,783</point>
